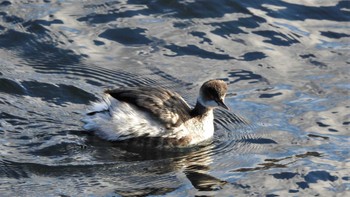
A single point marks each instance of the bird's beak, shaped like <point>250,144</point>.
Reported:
<point>222,104</point>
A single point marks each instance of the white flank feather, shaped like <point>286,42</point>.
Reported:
<point>115,120</point>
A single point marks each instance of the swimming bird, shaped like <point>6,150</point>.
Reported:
<point>159,115</point>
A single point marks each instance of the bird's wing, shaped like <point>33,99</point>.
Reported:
<point>166,106</point>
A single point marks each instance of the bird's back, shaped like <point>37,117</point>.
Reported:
<point>164,105</point>
<point>139,112</point>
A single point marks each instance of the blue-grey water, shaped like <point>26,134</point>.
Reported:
<point>286,63</point>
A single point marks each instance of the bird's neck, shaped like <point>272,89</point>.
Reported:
<point>200,110</point>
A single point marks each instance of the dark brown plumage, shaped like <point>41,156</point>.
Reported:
<point>214,89</point>
<point>167,106</point>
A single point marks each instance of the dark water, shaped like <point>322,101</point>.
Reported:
<point>286,63</point>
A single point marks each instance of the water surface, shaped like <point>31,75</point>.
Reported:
<point>286,63</point>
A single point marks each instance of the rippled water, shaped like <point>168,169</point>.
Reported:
<point>286,63</point>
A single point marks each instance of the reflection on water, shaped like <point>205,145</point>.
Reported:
<point>286,64</point>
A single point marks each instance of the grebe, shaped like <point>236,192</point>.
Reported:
<point>159,115</point>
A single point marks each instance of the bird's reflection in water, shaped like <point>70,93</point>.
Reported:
<point>152,171</point>
<point>192,164</point>
<point>197,174</point>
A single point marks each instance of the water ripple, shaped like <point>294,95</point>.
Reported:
<point>285,63</point>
